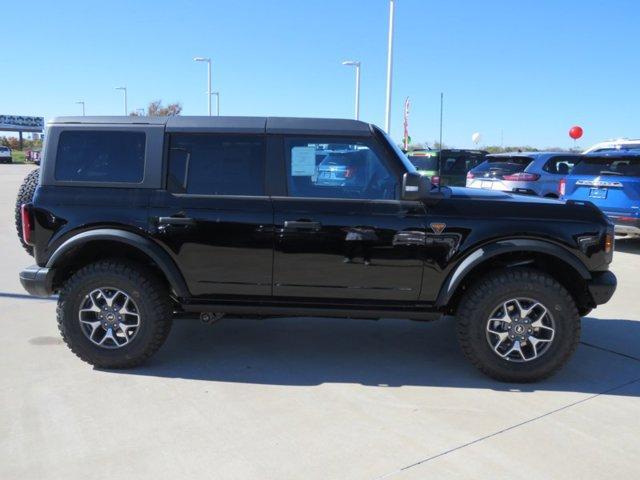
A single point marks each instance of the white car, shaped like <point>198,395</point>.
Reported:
<point>621,143</point>
<point>5,155</point>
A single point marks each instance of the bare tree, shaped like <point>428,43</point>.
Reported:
<point>156,109</point>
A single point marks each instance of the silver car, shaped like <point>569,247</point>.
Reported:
<point>530,173</point>
<point>5,154</point>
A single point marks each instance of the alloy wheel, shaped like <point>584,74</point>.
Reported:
<point>520,330</point>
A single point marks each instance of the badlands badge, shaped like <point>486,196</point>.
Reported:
<point>438,227</point>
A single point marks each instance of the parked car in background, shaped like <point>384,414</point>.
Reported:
<point>612,182</point>
<point>5,155</point>
<point>33,156</point>
<point>454,166</point>
<point>456,163</point>
<point>425,161</point>
<point>619,144</point>
<point>530,173</point>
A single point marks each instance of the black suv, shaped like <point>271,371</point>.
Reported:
<point>137,221</point>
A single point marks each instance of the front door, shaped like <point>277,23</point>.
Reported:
<point>341,231</point>
<point>214,215</point>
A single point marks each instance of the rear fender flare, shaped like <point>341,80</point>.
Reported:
<point>161,258</point>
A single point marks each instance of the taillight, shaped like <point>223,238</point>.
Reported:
<point>522,177</point>
<point>25,214</point>
<point>562,187</point>
<point>469,175</point>
<point>435,180</point>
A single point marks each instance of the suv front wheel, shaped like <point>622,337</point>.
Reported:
<point>518,325</point>
<point>114,314</point>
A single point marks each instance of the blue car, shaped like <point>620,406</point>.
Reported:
<point>611,180</point>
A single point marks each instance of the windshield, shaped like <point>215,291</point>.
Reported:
<point>424,162</point>
<point>621,166</point>
<point>504,164</point>
<point>401,155</point>
<point>4,149</point>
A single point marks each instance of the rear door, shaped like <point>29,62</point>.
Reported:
<point>345,236</point>
<point>555,168</point>
<point>214,215</point>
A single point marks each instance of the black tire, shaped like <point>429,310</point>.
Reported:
<point>25,195</point>
<point>152,299</point>
<point>487,294</point>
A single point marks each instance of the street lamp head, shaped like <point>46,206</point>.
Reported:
<point>201,59</point>
<point>121,88</point>
<point>354,63</point>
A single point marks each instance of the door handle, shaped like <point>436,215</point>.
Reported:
<point>176,221</point>
<point>302,225</point>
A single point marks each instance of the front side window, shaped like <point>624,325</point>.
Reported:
<point>341,168</point>
<point>100,156</point>
<point>210,164</point>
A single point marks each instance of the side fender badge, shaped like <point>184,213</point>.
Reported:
<point>438,228</point>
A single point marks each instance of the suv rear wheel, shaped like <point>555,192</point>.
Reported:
<point>114,314</point>
<point>518,325</point>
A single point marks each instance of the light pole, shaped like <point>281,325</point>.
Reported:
<point>208,60</point>
<point>217,94</point>
<point>81,102</point>
<point>387,122</point>
<point>124,89</point>
<point>356,64</point>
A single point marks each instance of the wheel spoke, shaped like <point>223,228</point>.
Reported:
<point>516,347</point>
<point>93,324</point>
<point>108,336</point>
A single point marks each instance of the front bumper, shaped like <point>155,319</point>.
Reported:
<point>602,286</point>
<point>38,281</point>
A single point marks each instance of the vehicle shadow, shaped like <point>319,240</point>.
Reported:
<point>393,353</point>
<point>628,245</point>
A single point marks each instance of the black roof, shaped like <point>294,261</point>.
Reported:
<point>288,125</point>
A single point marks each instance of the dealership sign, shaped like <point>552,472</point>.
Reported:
<point>16,123</point>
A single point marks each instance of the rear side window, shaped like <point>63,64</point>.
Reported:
<point>100,156</point>
<point>560,165</point>
<point>203,164</point>
<point>620,166</point>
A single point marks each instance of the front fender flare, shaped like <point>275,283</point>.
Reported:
<point>486,252</point>
<point>146,246</point>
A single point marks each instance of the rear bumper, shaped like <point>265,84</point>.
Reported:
<point>37,281</point>
<point>602,286</point>
<point>625,227</point>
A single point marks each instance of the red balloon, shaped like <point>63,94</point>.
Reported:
<point>575,132</point>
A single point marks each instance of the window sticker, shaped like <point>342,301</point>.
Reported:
<point>303,161</point>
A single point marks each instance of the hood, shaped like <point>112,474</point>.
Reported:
<point>501,204</point>
<point>480,194</point>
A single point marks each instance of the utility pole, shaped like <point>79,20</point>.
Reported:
<point>387,122</point>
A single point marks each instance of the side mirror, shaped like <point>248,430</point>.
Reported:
<point>415,186</point>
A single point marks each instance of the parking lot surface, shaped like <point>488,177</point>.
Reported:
<point>310,398</point>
